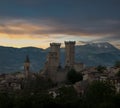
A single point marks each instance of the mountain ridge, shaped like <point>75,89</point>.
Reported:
<point>12,59</point>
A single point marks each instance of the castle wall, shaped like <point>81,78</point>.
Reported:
<point>52,65</point>
<point>61,76</point>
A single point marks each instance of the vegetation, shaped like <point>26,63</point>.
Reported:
<point>98,95</point>
<point>101,68</point>
<point>117,64</point>
<point>73,76</point>
<point>67,97</point>
<point>118,74</point>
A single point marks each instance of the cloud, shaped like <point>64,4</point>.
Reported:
<point>59,20</point>
<point>32,31</point>
<point>22,27</point>
<point>102,28</point>
<point>70,17</point>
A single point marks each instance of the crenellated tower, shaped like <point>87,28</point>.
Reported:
<point>55,51</point>
<point>52,67</point>
<point>53,61</point>
<point>69,53</point>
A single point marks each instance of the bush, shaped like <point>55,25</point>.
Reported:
<point>73,76</point>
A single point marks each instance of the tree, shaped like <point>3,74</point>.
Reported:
<point>107,105</point>
<point>101,68</point>
<point>99,93</point>
<point>73,76</point>
<point>117,64</point>
<point>118,73</point>
<point>6,101</point>
<point>116,100</point>
<point>68,97</point>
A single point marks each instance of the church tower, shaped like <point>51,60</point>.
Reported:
<point>27,67</point>
<point>69,53</point>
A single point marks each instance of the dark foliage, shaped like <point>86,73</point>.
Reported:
<point>101,68</point>
<point>118,74</point>
<point>98,95</point>
<point>73,76</point>
<point>117,64</point>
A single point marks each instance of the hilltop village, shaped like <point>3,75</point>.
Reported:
<point>57,74</point>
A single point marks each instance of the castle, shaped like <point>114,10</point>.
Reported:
<point>53,69</point>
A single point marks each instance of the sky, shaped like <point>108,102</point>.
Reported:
<point>39,22</point>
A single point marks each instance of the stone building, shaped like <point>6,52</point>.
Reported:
<point>70,57</point>
<point>55,48</point>
<point>52,68</point>
<point>69,53</point>
<point>53,61</point>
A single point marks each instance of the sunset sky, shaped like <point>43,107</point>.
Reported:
<point>39,22</point>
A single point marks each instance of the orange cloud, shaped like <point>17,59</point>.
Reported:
<point>21,33</point>
<point>23,42</point>
<point>14,29</point>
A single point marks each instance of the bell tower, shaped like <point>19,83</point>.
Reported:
<point>27,67</point>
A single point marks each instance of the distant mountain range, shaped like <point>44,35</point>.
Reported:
<point>92,54</point>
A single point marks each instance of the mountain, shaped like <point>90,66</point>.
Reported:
<point>97,53</point>
<point>12,59</point>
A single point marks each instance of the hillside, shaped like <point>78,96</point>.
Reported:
<point>12,59</point>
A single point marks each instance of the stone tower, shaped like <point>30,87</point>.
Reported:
<point>53,61</point>
<point>55,48</point>
<point>70,53</point>
<point>27,67</point>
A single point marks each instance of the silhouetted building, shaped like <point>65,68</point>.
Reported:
<point>27,67</point>
<point>69,53</point>
<point>52,68</point>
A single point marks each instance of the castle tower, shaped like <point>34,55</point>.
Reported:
<point>55,48</point>
<point>53,61</point>
<point>27,67</point>
<point>70,53</point>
